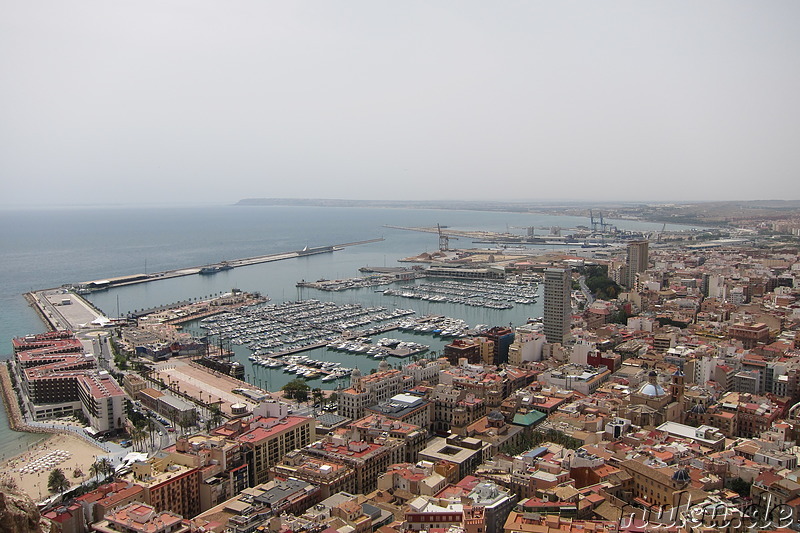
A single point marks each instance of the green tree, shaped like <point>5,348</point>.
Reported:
<point>138,436</point>
<point>297,389</point>
<point>740,486</point>
<point>215,416</point>
<point>151,430</point>
<point>539,437</point>
<point>101,468</point>
<point>599,283</point>
<point>620,317</point>
<point>57,482</point>
<point>317,395</point>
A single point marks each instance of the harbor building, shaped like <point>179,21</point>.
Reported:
<point>557,305</point>
<point>465,272</point>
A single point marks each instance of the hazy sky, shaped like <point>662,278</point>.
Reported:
<point>210,102</point>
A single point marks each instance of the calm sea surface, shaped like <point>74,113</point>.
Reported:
<point>48,248</point>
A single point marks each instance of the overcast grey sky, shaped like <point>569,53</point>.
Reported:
<point>209,102</point>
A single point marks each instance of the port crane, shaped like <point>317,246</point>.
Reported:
<point>444,240</point>
<point>604,226</point>
<point>660,233</point>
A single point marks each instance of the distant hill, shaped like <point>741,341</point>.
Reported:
<point>700,213</point>
<point>428,204</point>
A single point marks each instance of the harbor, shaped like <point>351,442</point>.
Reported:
<point>312,339</point>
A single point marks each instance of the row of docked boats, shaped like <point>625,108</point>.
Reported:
<point>304,366</point>
<point>382,348</point>
<point>291,326</point>
<point>442,326</point>
<point>309,368</point>
<point>488,294</point>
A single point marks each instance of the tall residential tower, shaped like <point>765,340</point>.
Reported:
<point>636,263</point>
<point>557,304</point>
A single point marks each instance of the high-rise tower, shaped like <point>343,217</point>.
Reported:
<point>637,261</point>
<point>557,304</point>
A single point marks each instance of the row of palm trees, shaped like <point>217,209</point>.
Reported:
<point>57,481</point>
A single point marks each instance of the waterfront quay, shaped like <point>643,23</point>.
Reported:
<point>211,269</point>
<point>61,309</point>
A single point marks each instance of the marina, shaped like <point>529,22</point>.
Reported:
<point>281,329</point>
<point>492,295</point>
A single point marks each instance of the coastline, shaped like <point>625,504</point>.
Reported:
<point>57,448</point>
<point>15,420</point>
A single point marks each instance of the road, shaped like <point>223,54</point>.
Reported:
<point>585,290</point>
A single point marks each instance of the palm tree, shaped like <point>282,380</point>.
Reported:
<point>57,482</point>
<point>215,417</point>
<point>137,436</point>
<point>317,396</point>
<point>102,467</point>
<point>95,470</point>
<point>151,428</point>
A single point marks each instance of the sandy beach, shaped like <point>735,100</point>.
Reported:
<point>31,469</point>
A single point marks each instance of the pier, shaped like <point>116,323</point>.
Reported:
<point>134,279</point>
<point>64,309</point>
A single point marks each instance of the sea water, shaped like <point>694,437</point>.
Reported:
<point>46,248</point>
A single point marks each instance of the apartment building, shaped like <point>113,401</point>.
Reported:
<point>367,459</point>
<point>330,476</point>
<point>142,518</point>
<point>557,305</point>
<point>270,438</point>
<point>171,483</point>
<point>369,390</point>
